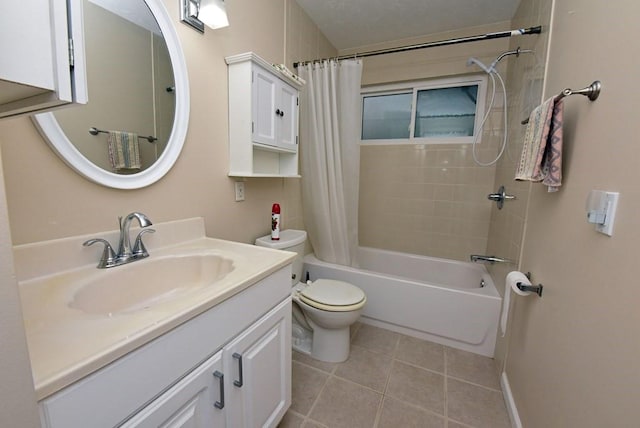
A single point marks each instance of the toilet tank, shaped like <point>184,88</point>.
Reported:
<point>290,240</point>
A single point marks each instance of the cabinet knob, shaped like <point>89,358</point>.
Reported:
<point>279,112</point>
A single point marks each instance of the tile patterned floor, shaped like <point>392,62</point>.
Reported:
<point>396,381</point>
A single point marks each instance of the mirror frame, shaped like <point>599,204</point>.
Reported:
<point>60,143</point>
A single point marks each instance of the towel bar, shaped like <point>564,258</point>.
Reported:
<point>95,131</point>
<point>592,92</point>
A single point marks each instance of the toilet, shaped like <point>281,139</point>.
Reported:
<point>323,310</point>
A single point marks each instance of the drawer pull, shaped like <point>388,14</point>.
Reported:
<point>240,381</point>
<point>220,376</point>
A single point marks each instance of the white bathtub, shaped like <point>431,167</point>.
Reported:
<point>434,299</point>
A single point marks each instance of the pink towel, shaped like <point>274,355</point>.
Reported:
<point>541,158</point>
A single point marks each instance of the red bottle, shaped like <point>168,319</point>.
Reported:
<point>275,222</point>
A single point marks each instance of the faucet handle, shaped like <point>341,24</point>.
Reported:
<point>108,258</point>
<point>139,250</point>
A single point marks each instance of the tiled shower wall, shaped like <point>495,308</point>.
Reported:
<point>430,199</point>
<point>425,199</point>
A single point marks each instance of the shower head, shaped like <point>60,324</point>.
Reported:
<point>477,62</point>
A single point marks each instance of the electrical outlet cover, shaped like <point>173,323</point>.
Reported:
<point>239,186</point>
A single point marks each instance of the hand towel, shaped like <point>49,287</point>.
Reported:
<point>541,158</point>
<point>124,152</point>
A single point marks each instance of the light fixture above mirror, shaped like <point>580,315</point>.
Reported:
<point>198,13</point>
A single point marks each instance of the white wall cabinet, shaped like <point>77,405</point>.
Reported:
<point>244,381</point>
<point>263,119</point>
<point>41,55</point>
<point>274,110</point>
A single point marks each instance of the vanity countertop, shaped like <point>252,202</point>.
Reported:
<point>67,344</point>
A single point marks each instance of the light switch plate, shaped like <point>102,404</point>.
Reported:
<point>610,213</point>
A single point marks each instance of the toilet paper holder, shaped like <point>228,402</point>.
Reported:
<point>534,288</point>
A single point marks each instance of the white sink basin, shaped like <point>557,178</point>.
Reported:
<point>141,285</point>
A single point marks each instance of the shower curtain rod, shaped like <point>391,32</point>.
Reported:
<point>496,35</point>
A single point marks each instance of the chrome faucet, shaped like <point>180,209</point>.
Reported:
<point>125,253</point>
<point>124,245</point>
<point>477,258</point>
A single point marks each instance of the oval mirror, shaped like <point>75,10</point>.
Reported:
<point>132,130</point>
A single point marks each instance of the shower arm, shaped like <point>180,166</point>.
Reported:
<point>515,52</point>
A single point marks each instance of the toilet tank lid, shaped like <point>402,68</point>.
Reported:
<point>288,238</point>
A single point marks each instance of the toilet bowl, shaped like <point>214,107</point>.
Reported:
<point>323,310</point>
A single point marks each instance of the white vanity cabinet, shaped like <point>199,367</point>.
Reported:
<point>263,119</point>
<point>247,384</point>
<point>228,367</point>
<point>41,55</point>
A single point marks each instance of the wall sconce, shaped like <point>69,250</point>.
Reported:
<point>198,13</point>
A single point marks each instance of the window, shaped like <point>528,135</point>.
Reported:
<point>386,116</point>
<point>434,111</point>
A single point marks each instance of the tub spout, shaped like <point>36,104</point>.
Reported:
<point>477,258</point>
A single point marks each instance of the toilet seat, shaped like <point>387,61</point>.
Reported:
<point>332,295</point>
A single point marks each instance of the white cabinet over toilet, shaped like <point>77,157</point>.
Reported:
<point>274,111</point>
<point>263,119</point>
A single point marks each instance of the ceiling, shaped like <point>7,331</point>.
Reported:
<point>353,23</point>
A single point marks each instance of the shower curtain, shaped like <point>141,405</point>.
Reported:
<point>330,158</point>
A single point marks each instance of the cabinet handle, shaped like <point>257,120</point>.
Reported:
<point>220,376</point>
<point>279,112</point>
<point>240,381</point>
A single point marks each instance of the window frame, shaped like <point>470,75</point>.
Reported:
<point>426,84</point>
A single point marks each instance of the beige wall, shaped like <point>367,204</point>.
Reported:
<point>524,88</point>
<point>573,357</point>
<point>17,395</point>
<point>430,199</point>
<point>47,200</point>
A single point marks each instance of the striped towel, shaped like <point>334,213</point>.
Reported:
<point>541,158</point>
<point>124,152</point>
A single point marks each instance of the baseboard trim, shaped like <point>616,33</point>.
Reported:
<point>509,401</point>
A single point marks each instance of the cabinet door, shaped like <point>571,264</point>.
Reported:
<point>197,401</point>
<point>288,122</point>
<point>44,77</point>
<point>258,365</point>
<point>264,106</point>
